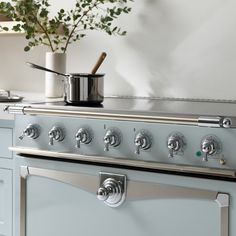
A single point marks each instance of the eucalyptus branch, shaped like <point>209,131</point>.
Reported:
<point>76,25</point>
<point>72,31</point>
<point>66,26</point>
<point>46,33</point>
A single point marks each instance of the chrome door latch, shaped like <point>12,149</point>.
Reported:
<point>112,190</point>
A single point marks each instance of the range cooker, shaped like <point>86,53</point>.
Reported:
<point>129,167</point>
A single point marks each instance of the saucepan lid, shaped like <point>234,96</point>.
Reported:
<point>6,96</point>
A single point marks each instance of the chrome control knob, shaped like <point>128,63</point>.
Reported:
<point>55,134</point>
<point>31,131</point>
<point>175,144</point>
<point>210,146</point>
<point>142,141</point>
<point>83,136</point>
<point>111,138</point>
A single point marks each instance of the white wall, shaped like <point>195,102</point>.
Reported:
<point>174,48</point>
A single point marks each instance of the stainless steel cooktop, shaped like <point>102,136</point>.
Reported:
<point>150,106</point>
<point>217,113</point>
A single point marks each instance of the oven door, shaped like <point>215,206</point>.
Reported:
<point>65,201</point>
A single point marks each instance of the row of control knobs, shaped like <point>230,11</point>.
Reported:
<point>210,145</point>
<point>112,137</point>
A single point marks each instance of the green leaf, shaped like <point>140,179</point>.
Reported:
<point>27,48</point>
<point>84,5</point>
<point>108,18</point>
<point>44,12</point>
<point>5,28</point>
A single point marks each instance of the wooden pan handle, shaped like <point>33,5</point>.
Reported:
<point>98,63</point>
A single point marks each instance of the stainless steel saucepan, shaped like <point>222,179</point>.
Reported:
<point>81,88</point>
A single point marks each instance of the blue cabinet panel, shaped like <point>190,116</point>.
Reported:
<point>5,142</point>
<point>5,202</point>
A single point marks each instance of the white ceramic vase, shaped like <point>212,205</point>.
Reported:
<point>54,86</point>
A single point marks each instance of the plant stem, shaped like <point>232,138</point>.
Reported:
<point>76,25</point>
<point>46,33</point>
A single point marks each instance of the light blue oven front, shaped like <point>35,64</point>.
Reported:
<point>62,197</point>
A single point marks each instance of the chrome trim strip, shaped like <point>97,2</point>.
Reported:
<point>224,227</point>
<point>214,122</point>
<point>170,119</point>
<point>202,121</point>
<point>164,191</point>
<point>130,163</point>
<point>223,201</point>
<point>112,116</point>
<point>88,183</point>
<point>24,174</point>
